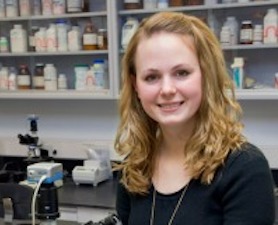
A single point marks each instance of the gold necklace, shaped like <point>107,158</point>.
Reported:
<point>175,210</point>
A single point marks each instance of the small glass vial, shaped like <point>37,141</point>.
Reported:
<point>258,34</point>
<point>246,32</point>
<point>24,78</point>
<point>90,37</point>
<point>132,4</point>
<point>38,78</point>
<point>102,42</point>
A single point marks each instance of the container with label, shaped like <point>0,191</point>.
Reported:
<point>100,74</point>
<point>2,9</point>
<point>75,6</point>
<point>4,44</point>
<point>40,40</point>
<point>225,36</point>
<point>51,38</point>
<point>62,35</point>
<point>38,77</point>
<point>23,77</point>
<point>74,39</point>
<point>18,39</point>
<point>102,42</point>
<point>31,38</point>
<point>50,77</point>
<point>89,37</point>
<point>258,34</point>
<point>59,7</point>
<point>4,78</point>
<point>246,32</point>
<point>128,30</point>
<point>24,7</point>
<point>132,4</point>
<point>232,23</point>
<point>270,35</point>
<point>80,76</point>
<point>12,81</point>
<point>162,4</point>
<point>150,4</point>
<point>62,82</point>
<point>11,8</point>
<point>238,72</point>
<point>47,6</point>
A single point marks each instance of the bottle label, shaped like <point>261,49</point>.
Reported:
<point>89,39</point>
<point>246,35</point>
<point>38,81</point>
<point>23,80</point>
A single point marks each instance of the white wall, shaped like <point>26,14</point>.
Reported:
<point>67,125</point>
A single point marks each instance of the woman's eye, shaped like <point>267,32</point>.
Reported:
<point>182,73</point>
<point>151,78</point>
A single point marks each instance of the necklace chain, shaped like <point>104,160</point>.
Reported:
<point>175,210</point>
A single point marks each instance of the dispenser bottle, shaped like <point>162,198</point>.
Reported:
<point>271,27</point>
<point>128,30</point>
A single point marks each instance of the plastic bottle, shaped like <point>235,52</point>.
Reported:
<point>100,73</point>
<point>232,23</point>
<point>4,77</point>
<point>18,39</point>
<point>62,36</point>
<point>270,27</point>
<point>40,40</point>
<point>47,7</point>
<point>38,77</point>
<point>258,34</point>
<point>11,8</point>
<point>74,6</point>
<point>51,38</point>
<point>162,4</point>
<point>238,72</point>
<point>225,36</point>
<point>24,7</point>
<point>89,37</point>
<point>12,81</point>
<point>50,77</point>
<point>62,82</point>
<point>59,7</point>
<point>80,76</point>
<point>36,8</point>
<point>23,77</point>
<point>150,4</point>
<point>74,39</point>
<point>2,9</point>
<point>4,44</point>
<point>128,30</point>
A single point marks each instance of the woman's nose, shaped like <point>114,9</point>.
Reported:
<point>168,86</point>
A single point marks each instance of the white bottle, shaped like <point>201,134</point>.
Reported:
<point>74,39</point>
<point>150,4</point>
<point>162,4</point>
<point>128,30</point>
<point>12,81</point>
<point>51,38</point>
<point>2,9</point>
<point>18,38</point>
<point>24,8</point>
<point>232,23</point>
<point>62,82</point>
<point>4,78</point>
<point>47,7</point>
<point>59,7</point>
<point>225,36</point>
<point>271,27</point>
<point>11,8</point>
<point>40,40</point>
<point>100,74</point>
<point>50,77</point>
<point>62,36</point>
<point>258,34</point>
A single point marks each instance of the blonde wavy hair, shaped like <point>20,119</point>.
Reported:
<point>218,128</point>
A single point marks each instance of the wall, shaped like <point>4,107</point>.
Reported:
<point>66,125</point>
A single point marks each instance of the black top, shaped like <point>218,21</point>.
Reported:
<point>240,194</point>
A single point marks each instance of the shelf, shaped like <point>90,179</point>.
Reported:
<point>75,53</point>
<point>257,94</point>
<point>57,95</point>
<point>200,7</point>
<point>253,46</point>
<point>51,17</point>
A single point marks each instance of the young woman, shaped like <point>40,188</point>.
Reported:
<point>186,159</point>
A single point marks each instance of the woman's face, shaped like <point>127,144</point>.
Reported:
<point>168,79</point>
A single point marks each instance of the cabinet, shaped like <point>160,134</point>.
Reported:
<point>100,14</point>
<point>260,59</point>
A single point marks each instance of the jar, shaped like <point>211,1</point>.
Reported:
<point>176,3</point>
<point>38,77</point>
<point>89,37</point>
<point>24,78</point>
<point>132,4</point>
<point>246,32</point>
<point>102,42</point>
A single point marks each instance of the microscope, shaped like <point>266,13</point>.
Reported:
<point>35,151</point>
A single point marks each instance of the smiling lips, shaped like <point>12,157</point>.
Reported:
<point>170,106</point>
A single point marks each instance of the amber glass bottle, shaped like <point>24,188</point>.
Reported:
<point>38,77</point>
<point>23,77</point>
<point>89,37</point>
